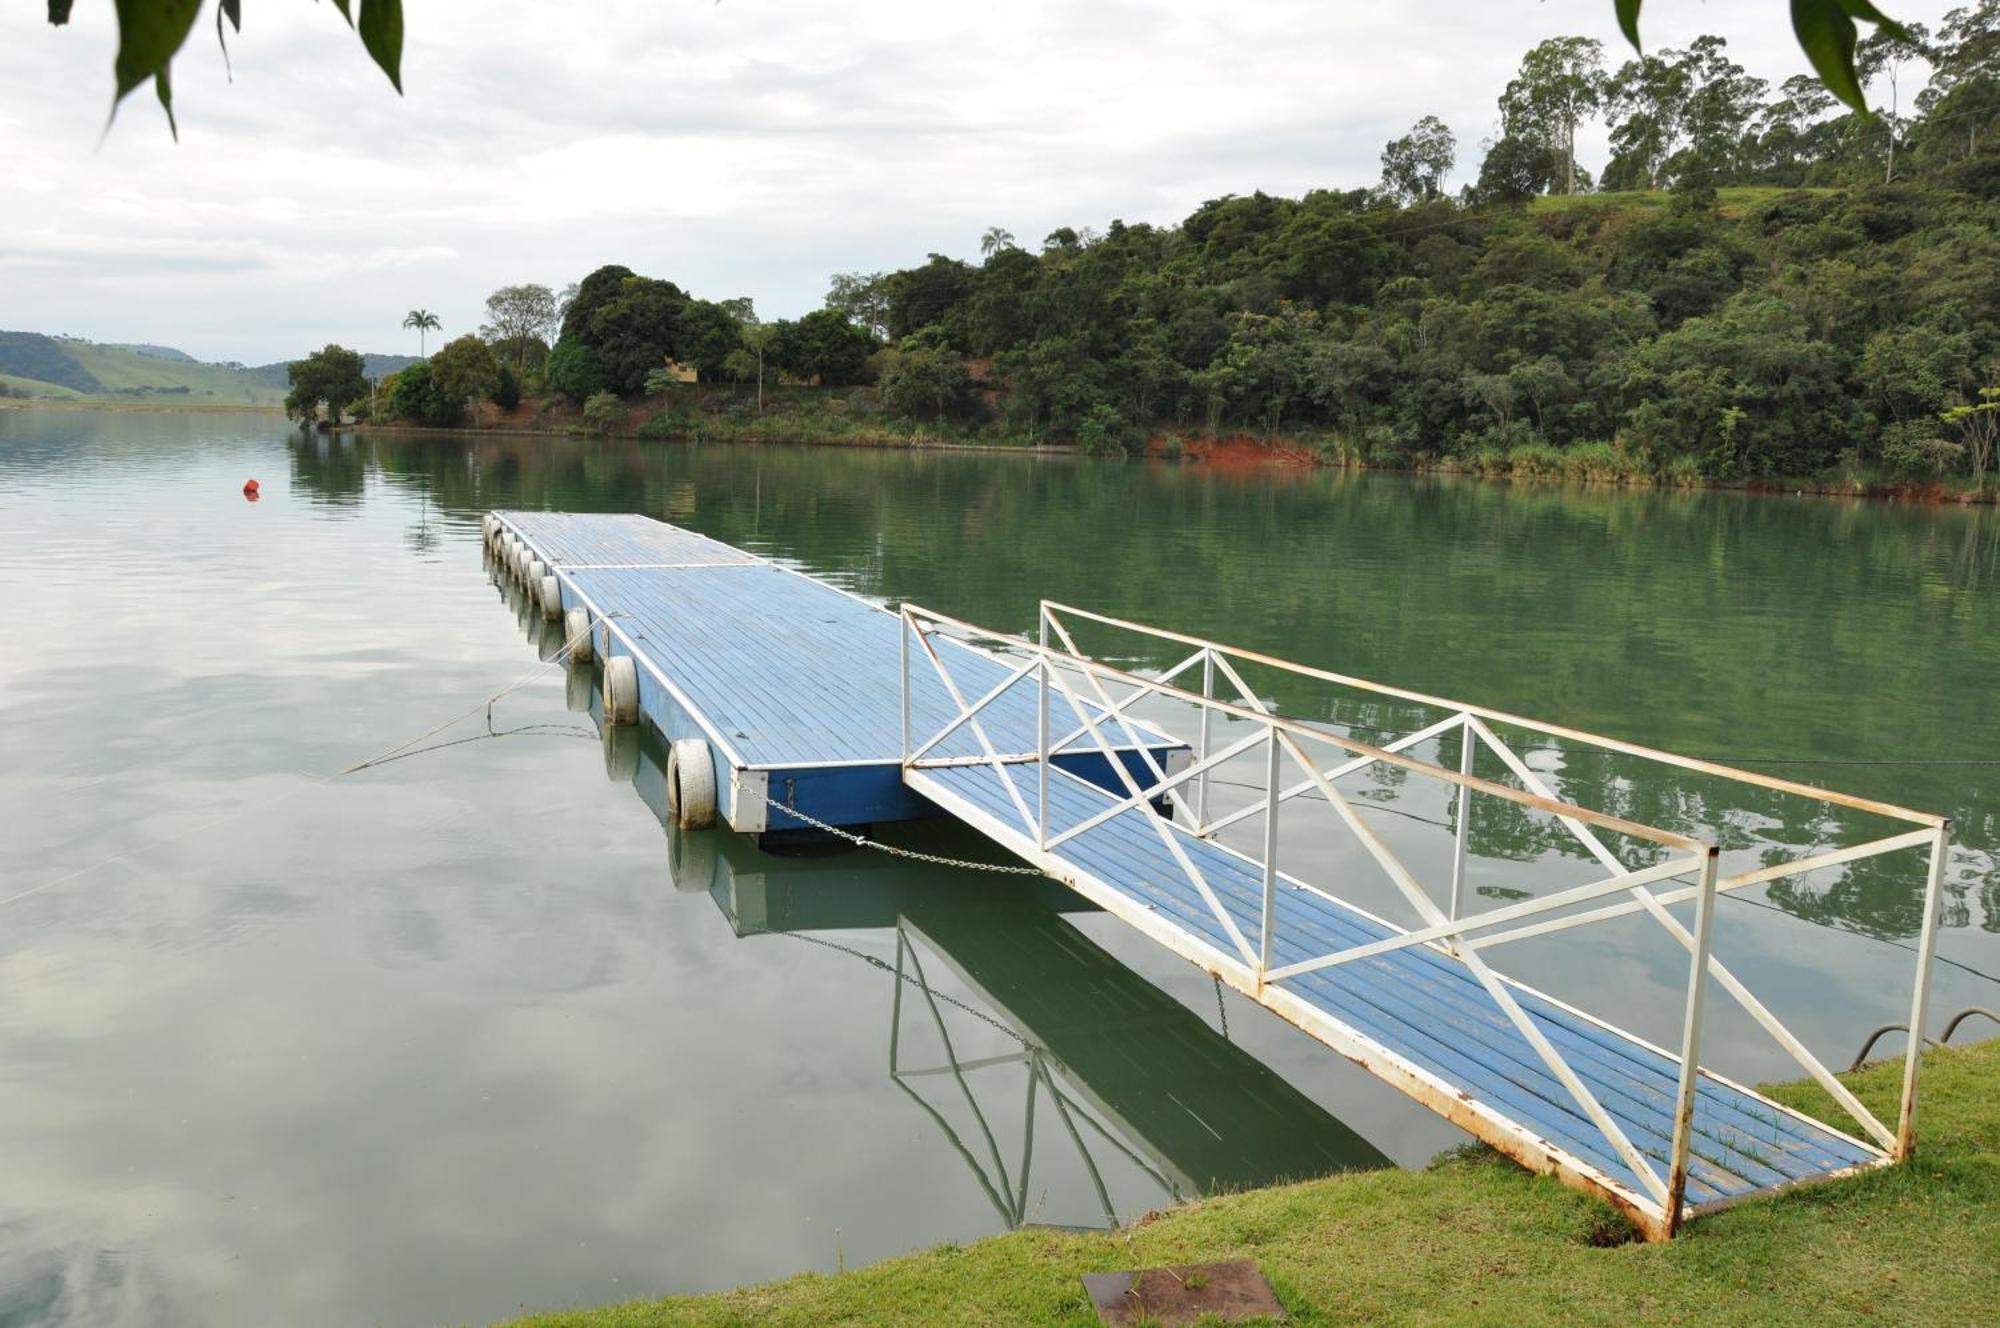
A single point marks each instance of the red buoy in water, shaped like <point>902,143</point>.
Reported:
<point>250,490</point>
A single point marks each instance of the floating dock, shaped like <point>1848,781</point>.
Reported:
<point>793,685</point>
<point>794,704</point>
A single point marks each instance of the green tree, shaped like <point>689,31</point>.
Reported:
<point>705,336</point>
<point>518,319</point>
<point>581,301</point>
<point>928,296</point>
<point>412,395</point>
<point>1514,171</point>
<point>1414,166</point>
<point>506,389</point>
<point>332,377</point>
<point>926,378</point>
<point>635,331</point>
<point>824,346</point>
<point>574,370</point>
<point>1560,85</point>
<point>997,240</point>
<point>604,412</point>
<point>462,371</point>
<point>1881,58</point>
<point>863,299</point>
<point>1978,422</point>
<point>423,320</point>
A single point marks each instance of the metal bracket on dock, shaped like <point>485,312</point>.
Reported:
<point>749,807</point>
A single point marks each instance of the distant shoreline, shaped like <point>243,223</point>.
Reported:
<point>1235,452</point>
<point>135,407</point>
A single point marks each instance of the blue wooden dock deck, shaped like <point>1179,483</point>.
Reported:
<point>794,684</point>
<point>812,701</point>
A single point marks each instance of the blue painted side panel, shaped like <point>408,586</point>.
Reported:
<point>1429,1009</point>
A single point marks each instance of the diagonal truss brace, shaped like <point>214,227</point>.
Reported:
<point>1729,982</point>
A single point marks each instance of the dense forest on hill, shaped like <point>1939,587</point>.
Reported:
<point>1772,286</point>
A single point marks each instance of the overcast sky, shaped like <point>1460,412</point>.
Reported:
<point>748,147</point>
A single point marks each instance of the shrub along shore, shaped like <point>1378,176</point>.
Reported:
<point>1474,1239</point>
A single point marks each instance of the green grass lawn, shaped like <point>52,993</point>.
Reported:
<point>1475,1239</point>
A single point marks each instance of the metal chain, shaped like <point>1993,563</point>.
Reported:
<point>937,859</point>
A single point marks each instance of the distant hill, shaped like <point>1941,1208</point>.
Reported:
<point>157,352</point>
<point>372,366</point>
<point>67,368</point>
<point>32,357</point>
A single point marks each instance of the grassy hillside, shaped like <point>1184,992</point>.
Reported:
<point>65,369</point>
<point>129,374</point>
<point>1476,1240</point>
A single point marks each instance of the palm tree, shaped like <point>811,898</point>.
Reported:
<point>995,239</point>
<point>423,320</point>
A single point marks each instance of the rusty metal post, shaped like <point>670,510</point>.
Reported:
<point>1704,927</point>
<point>1920,999</point>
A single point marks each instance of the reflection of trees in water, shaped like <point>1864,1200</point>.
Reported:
<point>330,466</point>
<point>1671,618</point>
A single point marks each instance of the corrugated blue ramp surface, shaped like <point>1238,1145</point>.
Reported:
<point>1425,1006</point>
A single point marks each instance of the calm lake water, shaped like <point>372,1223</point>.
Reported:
<point>463,1035</point>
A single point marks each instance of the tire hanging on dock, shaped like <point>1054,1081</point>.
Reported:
<point>621,690</point>
<point>691,784</point>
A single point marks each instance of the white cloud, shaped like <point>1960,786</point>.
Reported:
<point>747,147</point>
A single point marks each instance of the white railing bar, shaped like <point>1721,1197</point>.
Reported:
<point>1145,753</point>
<point>1166,830</point>
<point>1697,990</point>
<point>1519,721</point>
<point>1042,754</point>
<point>1207,716</point>
<point>1270,857</point>
<point>1797,866</point>
<point>948,762</point>
<point>1462,830</point>
<point>1152,791</point>
<point>1305,786</point>
<point>975,708</point>
<point>1244,692</point>
<point>1135,694</point>
<point>1624,880</point>
<point>1095,669</point>
<point>1906,1125</point>
<point>1730,982</point>
<point>1427,908</point>
<point>978,730</point>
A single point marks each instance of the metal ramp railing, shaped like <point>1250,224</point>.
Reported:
<point>1303,763</point>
